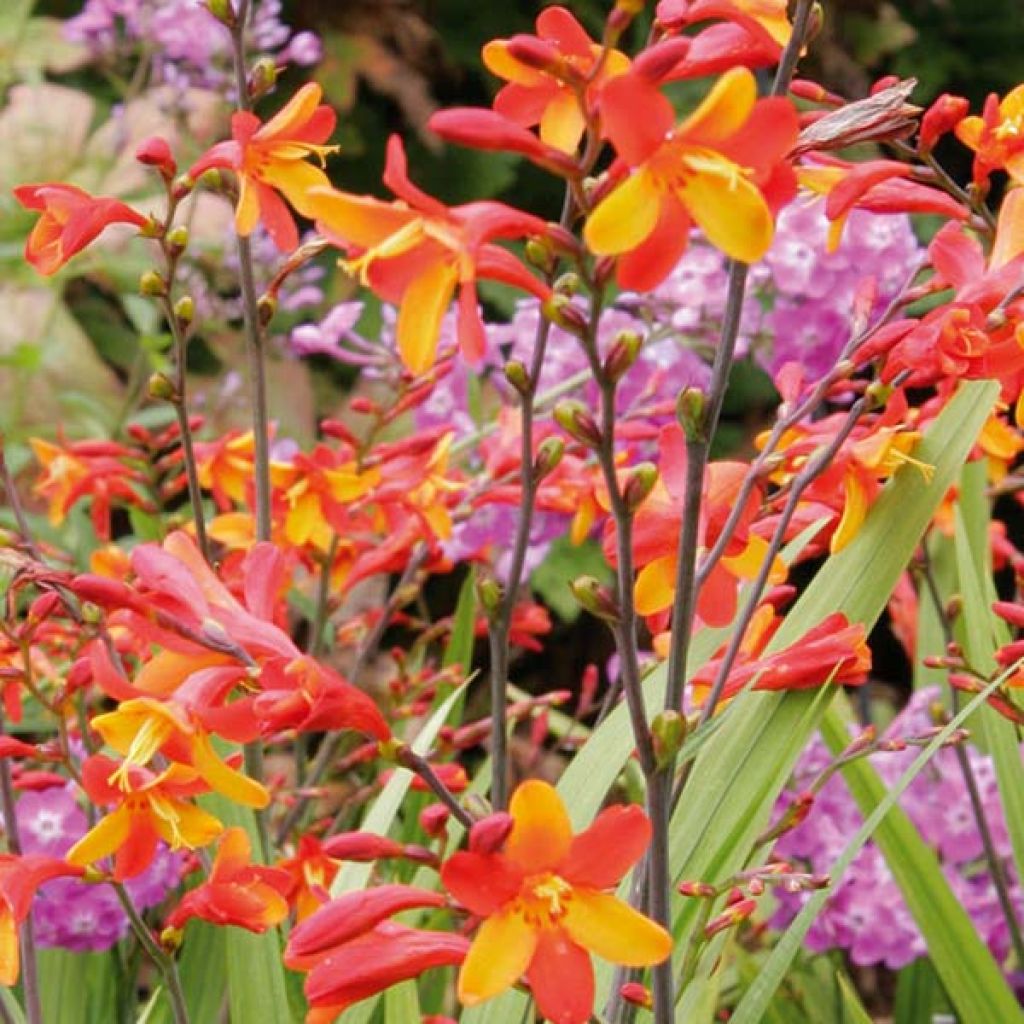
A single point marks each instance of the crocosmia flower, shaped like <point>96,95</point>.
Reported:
<point>722,168</point>
<point>997,137</point>
<point>271,158</point>
<point>71,219</point>
<point>545,94</point>
<point>542,896</point>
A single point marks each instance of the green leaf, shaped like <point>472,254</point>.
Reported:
<point>462,639</point>
<point>918,993</point>
<point>201,970</point>
<point>76,988</point>
<point>853,1008</point>
<point>402,1004</point>
<point>11,1006</point>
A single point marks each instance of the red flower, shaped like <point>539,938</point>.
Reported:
<point>71,220</point>
<point>544,906</point>
<point>237,892</point>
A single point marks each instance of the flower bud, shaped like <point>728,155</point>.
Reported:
<point>489,834</point>
<point>152,284</point>
<point>576,421</point>
<point>568,283</point>
<point>690,408</point>
<point>636,994</point>
<point>171,939</point>
<point>625,348</point>
<point>262,77</point>
<point>697,890</point>
<point>595,598</point>
<point>490,594</point>
<point>155,152</point>
<point>562,313</point>
<point>940,118</point>
<point>177,239</point>
<point>161,387</point>
<point>185,310</point>
<point>518,376</point>
<point>640,483</point>
<point>549,455</point>
<point>434,820</point>
<point>539,254</point>
<point>183,185</point>
<point>223,11</point>
<point>668,730</point>
<point>266,307</point>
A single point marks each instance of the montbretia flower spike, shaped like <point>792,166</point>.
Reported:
<point>542,896</point>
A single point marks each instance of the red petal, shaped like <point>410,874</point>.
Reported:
<point>602,854</point>
<point>635,138</point>
<point>561,977</point>
<point>481,882</point>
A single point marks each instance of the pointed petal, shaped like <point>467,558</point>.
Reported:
<point>559,25</point>
<point>646,266</point>
<point>561,978</point>
<point>482,883</point>
<point>541,834</point>
<point>602,854</point>
<point>635,138</point>
<point>293,115</point>
<point>625,217</point>
<point>102,839</point>
<point>224,779</point>
<point>361,221</point>
<point>1009,241</point>
<point>655,586</point>
<point>295,179</point>
<point>562,124</point>
<point>419,318</point>
<point>615,931</point>
<point>724,111</point>
<point>498,957</point>
<point>9,952</point>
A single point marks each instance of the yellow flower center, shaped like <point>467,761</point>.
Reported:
<point>1010,127</point>
<point>544,899</point>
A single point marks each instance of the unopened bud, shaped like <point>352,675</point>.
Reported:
<point>625,348</point>
<point>155,152</point>
<point>697,890</point>
<point>568,283</point>
<point>489,593</point>
<point>183,185</point>
<point>642,479</point>
<point>171,938</point>
<point>185,310</point>
<point>549,455</point>
<point>152,284</point>
<point>690,408</point>
<point>576,421</point>
<point>940,118</point>
<point>177,239</point>
<point>489,834</point>
<point>434,820</point>
<point>539,254</point>
<point>262,77</point>
<point>266,307</point>
<point>562,313</point>
<point>595,598</point>
<point>636,994</point>
<point>222,11</point>
<point>162,388</point>
<point>518,376</point>
<point>668,731</point>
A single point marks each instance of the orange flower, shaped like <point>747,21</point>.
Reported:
<point>309,873</point>
<point>722,168</point>
<point>149,808</point>
<point>416,252</point>
<point>545,909</point>
<point>20,877</point>
<point>545,94</point>
<point>237,892</point>
<point>271,158</point>
<point>997,137</point>
<point>71,219</point>
<point>765,18</point>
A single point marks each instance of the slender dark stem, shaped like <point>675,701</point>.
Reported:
<point>14,500</point>
<point>418,765</point>
<point>165,964</point>
<point>29,964</point>
<point>995,864</point>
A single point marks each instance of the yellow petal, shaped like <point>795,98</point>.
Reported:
<point>724,110</point>
<point>424,303</point>
<point>1009,241</point>
<point>562,123</point>
<point>747,564</point>
<point>603,924</point>
<point>294,114</point>
<point>247,213</point>
<point>359,220</point>
<point>855,508</point>
<point>223,778</point>
<point>655,586</point>
<point>498,957</point>
<point>625,217</point>
<point>500,62</point>
<point>183,824</point>
<point>727,207</point>
<point>296,179</point>
<point>303,518</point>
<point>106,836</point>
<point>9,954</point>
<point>542,834</point>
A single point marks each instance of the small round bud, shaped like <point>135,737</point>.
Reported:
<point>568,283</point>
<point>156,152</point>
<point>574,418</point>
<point>177,239</point>
<point>185,310</point>
<point>266,307</point>
<point>223,11</point>
<point>262,77</point>
<point>162,388</point>
<point>668,731</point>
<point>690,408</point>
<point>490,594</point>
<point>625,348</point>
<point>640,483</point>
<point>518,376</point>
<point>539,254</point>
<point>562,313</point>
<point>152,284</point>
<point>549,455</point>
<point>595,598</point>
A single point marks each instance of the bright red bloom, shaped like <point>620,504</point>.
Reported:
<point>997,137</point>
<point>834,651</point>
<point>271,158</point>
<point>416,252</point>
<point>723,168</point>
<point>545,909</point>
<point>237,891</point>
<point>309,875</point>
<point>765,18</point>
<point>20,877</point>
<point>545,94</point>
<point>71,219</point>
<point>941,117</point>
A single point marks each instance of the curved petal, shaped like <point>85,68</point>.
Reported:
<point>277,219</point>
<point>10,962</point>
<point>1009,241</point>
<point>482,883</point>
<point>501,63</point>
<point>102,839</point>
<point>655,586</point>
<point>602,854</point>
<point>356,220</point>
<point>724,110</point>
<point>293,115</point>
<point>730,210</point>
<point>561,978</point>
<point>626,217</point>
<point>296,179</point>
<point>498,957</point>
<point>541,834</point>
<point>634,137</point>
<point>247,213</point>
<point>419,318</point>
<point>614,930</point>
<point>224,779</point>
<point>562,124</point>
<point>646,266</point>
<point>558,24</point>
<point>136,853</point>
<point>396,177</point>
